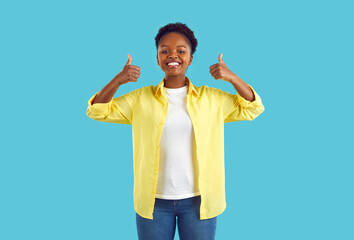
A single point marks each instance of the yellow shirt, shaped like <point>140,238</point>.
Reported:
<point>146,110</point>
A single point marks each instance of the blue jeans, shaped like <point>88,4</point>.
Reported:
<point>163,226</point>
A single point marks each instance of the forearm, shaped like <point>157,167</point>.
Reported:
<point>107,92</point>
<point>242,88</point>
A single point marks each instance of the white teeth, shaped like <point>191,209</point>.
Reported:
<point>173,63</point>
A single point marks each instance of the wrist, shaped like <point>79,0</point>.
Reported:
<point>234,79</point>
<point>116,81</point>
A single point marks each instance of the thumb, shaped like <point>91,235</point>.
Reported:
<point>129,62</point>
<point>220,58</point>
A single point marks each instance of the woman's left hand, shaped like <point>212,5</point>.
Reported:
<point>221,71</point>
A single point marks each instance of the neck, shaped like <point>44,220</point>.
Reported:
<point>175,81</point>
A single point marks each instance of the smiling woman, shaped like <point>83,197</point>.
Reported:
<point>178,138</point>
<point>175,45</point>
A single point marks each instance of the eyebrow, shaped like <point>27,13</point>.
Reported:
<point>177,46</point>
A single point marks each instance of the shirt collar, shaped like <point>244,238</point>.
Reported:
<point>191,87</point>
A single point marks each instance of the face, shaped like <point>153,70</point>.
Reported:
<point>174,47</point>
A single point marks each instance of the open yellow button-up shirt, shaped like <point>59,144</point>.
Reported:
<point>146,110</point>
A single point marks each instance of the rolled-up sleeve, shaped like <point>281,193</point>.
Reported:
<point>117,110</point>
<point>237,108</point>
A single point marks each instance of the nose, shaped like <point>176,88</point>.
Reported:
<point>173,54</point>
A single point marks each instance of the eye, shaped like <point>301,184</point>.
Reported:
<point>163,51</point>
<point>182,51</point>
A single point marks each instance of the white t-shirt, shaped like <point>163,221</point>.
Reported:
<point>178,167</point>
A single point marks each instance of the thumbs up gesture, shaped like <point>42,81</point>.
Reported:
<point>129,73</point>
<point>221,71</point>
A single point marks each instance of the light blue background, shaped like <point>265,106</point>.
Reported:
<point>289,173</point>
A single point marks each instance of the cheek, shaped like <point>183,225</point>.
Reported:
<point>161,61</point>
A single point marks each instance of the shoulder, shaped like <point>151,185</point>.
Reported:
<point>209,91</point>
<point>150,90</point>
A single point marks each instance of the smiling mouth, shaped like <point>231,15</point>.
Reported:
<point>175,65</point>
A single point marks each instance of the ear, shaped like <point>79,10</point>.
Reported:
<point>157,58</point>
<point>190,60</point>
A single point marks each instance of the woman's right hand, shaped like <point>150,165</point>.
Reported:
<point>129,73</point>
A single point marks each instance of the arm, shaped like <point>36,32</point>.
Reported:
<point>102,106</point>
<point>237,108</point>
<point>245,105</point>
<point>107,92</point>
<point>129,73</point>
<point>117,110</point>
<point>243,88</point>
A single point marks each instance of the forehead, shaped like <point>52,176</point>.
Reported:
<point>172,38</point>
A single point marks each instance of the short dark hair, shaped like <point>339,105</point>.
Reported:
<point>179,28</point>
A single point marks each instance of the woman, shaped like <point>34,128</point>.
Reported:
<point>178,138</point>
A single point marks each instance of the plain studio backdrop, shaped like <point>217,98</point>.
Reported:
<point>289,173</point>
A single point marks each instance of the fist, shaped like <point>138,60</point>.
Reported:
<point>221,71</point>
<point>129,73</point>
